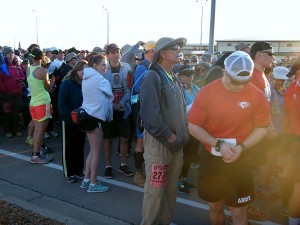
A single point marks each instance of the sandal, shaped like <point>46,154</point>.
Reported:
<point>255,214</point>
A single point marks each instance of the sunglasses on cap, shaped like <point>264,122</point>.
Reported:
<point>173,47</point>
<point>236,82</point>
<point>269,53</point>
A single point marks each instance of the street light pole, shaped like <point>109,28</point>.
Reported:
<point>36,26</point>
<point>212,27</point>
<point>107,19</point>
<point>201,26</point>
<point>202,3</point>
<point>107,26</point>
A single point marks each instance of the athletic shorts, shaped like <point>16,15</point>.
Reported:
<point>119,127</point>
<point>232,182</point>
<point>41,112</point>
<point>293,149</point>
<point>90,124</point>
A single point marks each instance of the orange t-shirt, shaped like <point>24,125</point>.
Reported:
<point>291,121</point>
<point>225,114</point>
<point>260,80</point>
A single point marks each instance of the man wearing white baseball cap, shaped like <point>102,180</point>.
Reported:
<point>229,116</point>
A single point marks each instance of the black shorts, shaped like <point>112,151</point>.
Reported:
<point>232,182</point>
<point>119,127</point>
<point>293,149</point>
<point>90,124</point>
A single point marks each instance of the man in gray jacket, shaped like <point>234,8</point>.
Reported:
<point>163,113</point>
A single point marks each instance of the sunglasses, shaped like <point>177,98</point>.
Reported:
<point>269,53</point>
<point>238,83</point>
<point>173,47</point>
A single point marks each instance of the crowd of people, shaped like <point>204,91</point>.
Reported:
<point>236,116</point>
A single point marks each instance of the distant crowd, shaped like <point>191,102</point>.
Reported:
<point>233,116</point>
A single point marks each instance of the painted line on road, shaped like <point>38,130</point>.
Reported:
<point>129,186</point>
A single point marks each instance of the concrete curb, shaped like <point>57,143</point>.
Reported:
<point>53,208</point>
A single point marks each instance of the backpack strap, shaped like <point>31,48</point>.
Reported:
<point>141,77</point>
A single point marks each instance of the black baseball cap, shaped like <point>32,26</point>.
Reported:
<point>294,68</point>
<point>260,46</point>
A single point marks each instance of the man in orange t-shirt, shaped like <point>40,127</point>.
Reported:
<point>229,116</point>
<point>262,54</point>
<point>291,126</point>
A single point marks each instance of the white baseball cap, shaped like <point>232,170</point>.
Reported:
<point>239,66</point>
<point>280,73</point>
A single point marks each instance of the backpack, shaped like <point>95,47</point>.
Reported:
<point>135,102</point>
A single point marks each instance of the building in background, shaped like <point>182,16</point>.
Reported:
<point>282,48</point>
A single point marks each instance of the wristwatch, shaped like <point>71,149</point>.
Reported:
<point>218,144</point>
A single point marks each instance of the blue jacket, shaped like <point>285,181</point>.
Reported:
<point>140,69</point>
<point>69,98</point>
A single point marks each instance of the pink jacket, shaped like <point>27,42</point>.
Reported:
<point>12,84</point>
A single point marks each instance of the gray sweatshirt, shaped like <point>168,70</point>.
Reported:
<point>162,108</point>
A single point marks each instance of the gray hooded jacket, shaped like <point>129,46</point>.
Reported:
<point>162,108</point>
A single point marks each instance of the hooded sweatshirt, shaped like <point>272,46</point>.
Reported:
<point>97,95</point>
<point>162,108</point>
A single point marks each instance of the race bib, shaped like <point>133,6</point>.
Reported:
<point>158,175</point>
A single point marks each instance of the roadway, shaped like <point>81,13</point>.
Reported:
<point>42,188</point>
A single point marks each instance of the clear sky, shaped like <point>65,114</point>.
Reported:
<point>83,23</point>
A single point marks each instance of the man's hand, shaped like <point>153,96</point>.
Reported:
<point>141,43</point>
<point>230,152</point>
<point>118,107</point>
<point>172,138</point>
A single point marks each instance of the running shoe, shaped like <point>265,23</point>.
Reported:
<point>126,171</point>
<point>97,188</point>
<point>39,159</point>
<point>108,173</point>
<point>84,184</point>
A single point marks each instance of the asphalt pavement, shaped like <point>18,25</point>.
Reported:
<point>43,189</point>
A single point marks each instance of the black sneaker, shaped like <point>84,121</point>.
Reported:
<point>126,171</point>
<point>181,188</point>
<point>108,173</point>
<point>70,179</point>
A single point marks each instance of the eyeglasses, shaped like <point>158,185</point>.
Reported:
<point>173,47</point>
<point>269,53</point>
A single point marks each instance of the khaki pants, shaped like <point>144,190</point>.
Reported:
<point>162,169</point>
